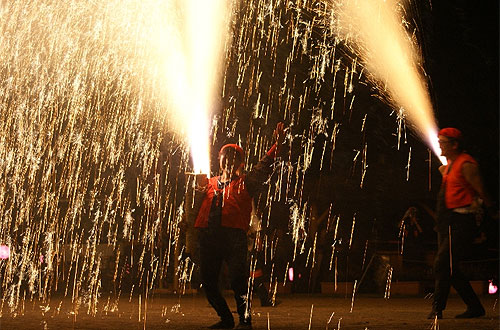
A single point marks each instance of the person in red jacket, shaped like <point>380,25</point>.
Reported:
<point>223,220</point>
<point>457,203</point>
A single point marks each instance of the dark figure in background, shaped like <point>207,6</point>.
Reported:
<point>259,273</point>
<point>409,225</point>
<point>223,222</point>
<point>318,239</point>
<point>457,202</point>
<point>410,235</point>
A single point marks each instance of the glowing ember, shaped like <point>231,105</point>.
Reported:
<point>290,274</point>
<point>4,252</point>
<point>492,288</point>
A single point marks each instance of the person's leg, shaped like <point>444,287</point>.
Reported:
<point>262,292</point>
<point>465,291</point>
<point>258,278</point>
<point>461,242</point>
<point>442,276</point>
<point>259,286</point>
<point>236,259</point>
<point>211,256</point>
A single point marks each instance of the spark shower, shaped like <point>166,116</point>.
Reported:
<point>94,102</point>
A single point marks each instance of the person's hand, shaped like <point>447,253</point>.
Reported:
<point>201,181</point>
<point>279,134</point>
<point>442,168</point>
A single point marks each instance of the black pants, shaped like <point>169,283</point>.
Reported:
<point>229,245</point>
<point>460,226</point>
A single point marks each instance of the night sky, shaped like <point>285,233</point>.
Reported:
<point>461,49</point>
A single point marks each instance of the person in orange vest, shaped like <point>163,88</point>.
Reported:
<point>456,207</point>
<point>223,220</point>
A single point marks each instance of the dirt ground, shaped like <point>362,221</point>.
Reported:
<point>294,312</point>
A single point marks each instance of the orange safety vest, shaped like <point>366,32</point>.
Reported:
<point>458,192</point>
<point>236,204</point>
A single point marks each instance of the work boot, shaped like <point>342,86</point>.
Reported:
<point>471,313</point>
<point>244,325</point>
<point>223,324</point>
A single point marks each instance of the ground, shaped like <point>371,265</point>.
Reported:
<point>293,312</point>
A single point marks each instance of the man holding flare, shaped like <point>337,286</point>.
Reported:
<point>456,207</point>
<point>222,222</point>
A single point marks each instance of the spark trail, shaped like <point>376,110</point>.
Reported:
<point>194,38</point>
<point>91,159</point>
<point>377,35</point>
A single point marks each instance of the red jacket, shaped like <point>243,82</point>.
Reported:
<point>237,196</point>
<point>236,204</point>
<point>458,192</point>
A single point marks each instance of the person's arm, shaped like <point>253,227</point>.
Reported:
<point>472,175</point>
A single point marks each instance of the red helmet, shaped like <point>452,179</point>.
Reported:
<point>451,132</point>
<point>236,147</point>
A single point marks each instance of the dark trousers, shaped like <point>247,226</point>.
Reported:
<point>229,245</point>
<point>460,226</point>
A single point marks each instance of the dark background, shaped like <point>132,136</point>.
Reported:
<point>461,48</point>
